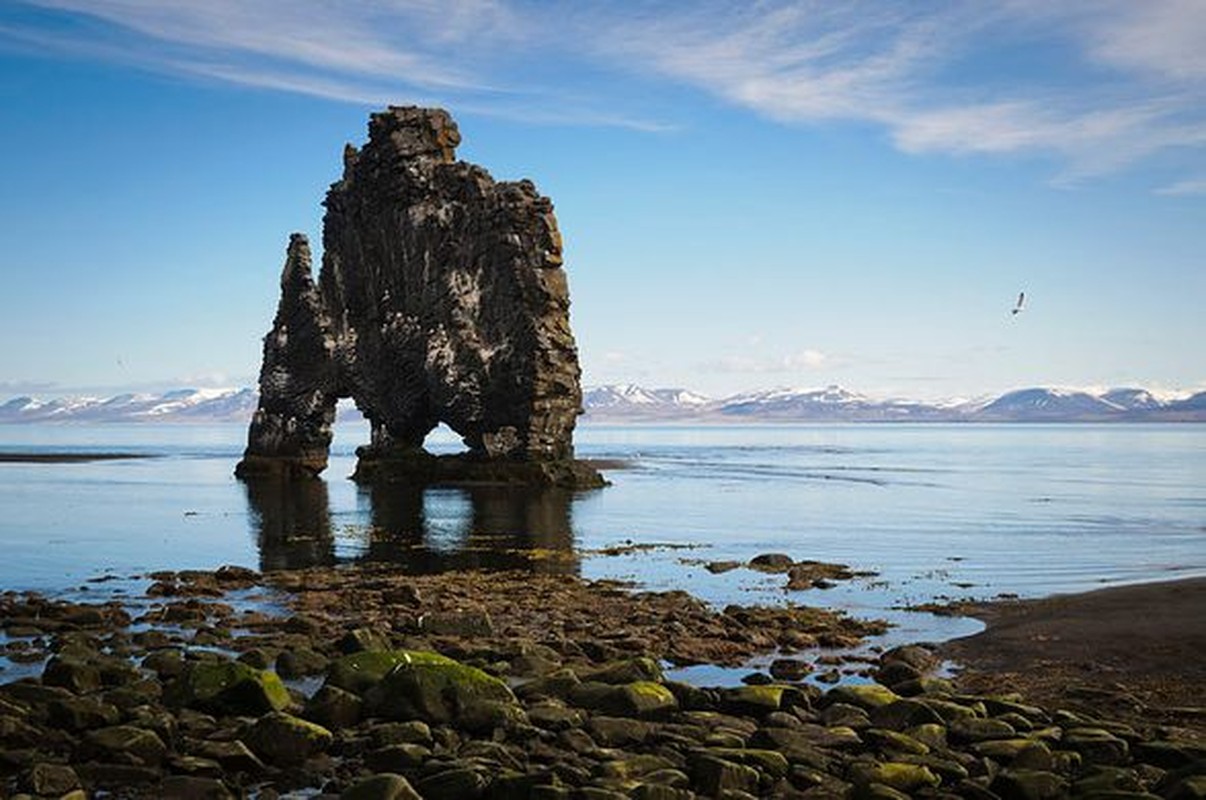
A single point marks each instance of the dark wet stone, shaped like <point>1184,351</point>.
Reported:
<point>617,731</point>
<point>467,624</point>
<point>411,732</point>
<point>127,740</point>
<point>1028,785</point>
<point>790,669</point>
<point>116,776</point>
<point>555,717</point>
<point>51,779</point>
<point>72,674</point>
<point>285,740</point>
<point>300,662</point>
<point>460,782</point>
<point>397,757</point>
<point>166,663</point>
<point>234,756</point>
<point>628,670</point>
<point>974,729</point>
<point>81,713</point>
<point>358,640</point>
<point>719,567</point>
<point>191,787</point>
<point>902,714</point>
<point>196,766</point>
<point>1096,746</point>
<point>17,733</point>
<point>333,708</point>
<point>1169,754</point>
<point>256,657</point>
<point>385,786</point>
<point>232,574</point>
<point>711,776</point>
<point>771,562</point>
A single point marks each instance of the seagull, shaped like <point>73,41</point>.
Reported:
<point>1021,302</point>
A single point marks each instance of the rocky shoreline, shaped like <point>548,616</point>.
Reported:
<point>358,682</point>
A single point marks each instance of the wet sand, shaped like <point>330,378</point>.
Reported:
<point>1141,648</point>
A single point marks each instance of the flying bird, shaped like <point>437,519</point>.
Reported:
<point>1021,302</point>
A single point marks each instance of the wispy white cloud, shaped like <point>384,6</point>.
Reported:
<point>1191,186</point>
<point>1116,81</point>
<point>807,360</point>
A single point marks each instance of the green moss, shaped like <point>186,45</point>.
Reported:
<point>865,696</point>
<point>229,687</point>
<point>898,742</point>
<point>895,774</point>
<point>755,699</point>
<point>286,740</point>
<point>771,762</point>
<point>359,672</point>
<point>437,690</point>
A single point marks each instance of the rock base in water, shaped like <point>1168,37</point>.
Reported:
<point>420,468</point>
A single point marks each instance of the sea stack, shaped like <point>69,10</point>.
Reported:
<point>442,298</point>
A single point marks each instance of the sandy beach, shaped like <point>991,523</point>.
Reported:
<point>1140,647</point>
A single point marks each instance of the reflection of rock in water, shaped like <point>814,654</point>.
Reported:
<point>433,530</point>
<point>479,527</point>
<point>292,523</point>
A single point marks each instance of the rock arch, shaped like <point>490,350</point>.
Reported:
<point>441,298</point>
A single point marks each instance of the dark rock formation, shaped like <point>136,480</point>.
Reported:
<point>441,299</point>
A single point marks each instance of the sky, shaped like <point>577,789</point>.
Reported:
<point>752,194</point>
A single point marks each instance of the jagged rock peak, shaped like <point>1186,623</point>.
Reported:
<point>441,298</point>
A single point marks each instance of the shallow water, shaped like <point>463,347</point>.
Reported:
<point>937,511</point>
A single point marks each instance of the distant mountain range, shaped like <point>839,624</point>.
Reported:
<point>628,403</point>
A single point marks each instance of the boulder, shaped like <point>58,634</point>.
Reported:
<point>438,690</point>
<point>142,745</point>
<point>228,687</point>
<point>285,740</point>
<point>359,672</point>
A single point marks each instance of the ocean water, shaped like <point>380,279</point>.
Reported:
<point>935,512</point>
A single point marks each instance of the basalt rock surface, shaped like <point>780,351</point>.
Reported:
<point>441,298</point>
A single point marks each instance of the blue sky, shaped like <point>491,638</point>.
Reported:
<point>752,194</point>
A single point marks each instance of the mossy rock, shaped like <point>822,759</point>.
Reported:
<point>892,741</point>
<point>359,672</point>
<point>756,700</point>
<point>643,699</point>
<point>769,762</point>
<point>632,766</point>
<point>228,687</point>
<point>284,740</point>
<point>866,696</point>
<point>899,775</point>
<point>1097,746</point>
<point>438,690</point>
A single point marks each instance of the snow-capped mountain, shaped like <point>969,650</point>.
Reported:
<point>180,404</point>
<point>630,403</point>
<point>1043,403</point>
<point>627,400</point>
<point>837,404</point>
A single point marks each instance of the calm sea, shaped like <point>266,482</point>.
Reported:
<point>935,511</point>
